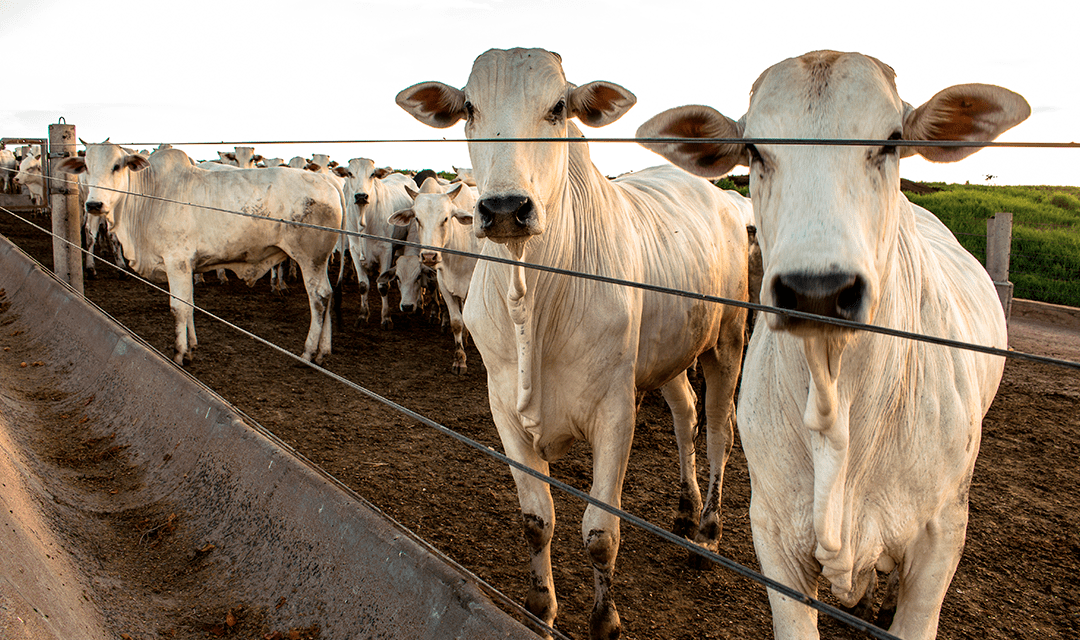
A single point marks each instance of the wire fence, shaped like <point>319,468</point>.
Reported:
<point>972,241</point>
<point>653,529</point>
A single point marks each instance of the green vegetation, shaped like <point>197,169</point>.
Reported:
<point>1045,262</point>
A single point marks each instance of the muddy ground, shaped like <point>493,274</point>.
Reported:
<point>1017,577</point>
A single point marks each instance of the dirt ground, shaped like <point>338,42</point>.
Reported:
<point>1017,577</point>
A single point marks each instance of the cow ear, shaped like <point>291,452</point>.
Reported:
<point>136,162</point>
<point>433,103</point>
<point>72,165</point>
<point>463,216</point>
<point>599,103</point>
<point>454,190</point>
<point>382,172</point>
<point>705,159</point>
<point>411,190</point>
<point>968,112</point>
<point>342,172</point>
<point>401,218</point>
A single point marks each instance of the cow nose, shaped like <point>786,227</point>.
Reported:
<point>834,295</point>
<point>93,206</point>
<point>407,308</point>
<point>360,198</point>
<point>429,258</point>
<point>495,208</point>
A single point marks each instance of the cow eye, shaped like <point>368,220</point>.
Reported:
<point>469,110</point>
<point>558,110</point>
<point>755,157</point>
<point>116,167</point>
<point>891,148</point>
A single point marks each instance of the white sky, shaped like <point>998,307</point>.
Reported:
<point>140,71</point>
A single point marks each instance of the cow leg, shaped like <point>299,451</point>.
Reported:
<point>720,367</point>
<point>538,515</point>
<point>929,564</point>
<point>797,569</point>
<point>317,284</point>
<point>383,285</point>
<point>181,302</point>
<point>89,241</point>
<point>600,529</point>
<point>362,283</point>
<point>681,400</point>
<point>457,325</point>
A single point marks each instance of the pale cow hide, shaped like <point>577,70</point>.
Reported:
<point>860,446</point>
<point>148,205</point>
<point>566,357</point>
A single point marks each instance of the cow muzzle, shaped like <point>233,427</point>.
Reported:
<point>833,295</point>
<point>96,208</point>
<point>506,217</point>
<point>360,198</point>
<point>430,259</point>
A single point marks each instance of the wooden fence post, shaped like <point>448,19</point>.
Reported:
<point>998,251</point>
<point>64,202</point>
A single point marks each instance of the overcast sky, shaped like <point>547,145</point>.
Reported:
<point>316,70</point>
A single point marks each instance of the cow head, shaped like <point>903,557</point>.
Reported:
<point>244,157</point>
<point>828,216</point>
<point>409,273</point>
<point>517,93</point>
<point>360,179</point>
<point>108,171</point>
<point>434,210</point>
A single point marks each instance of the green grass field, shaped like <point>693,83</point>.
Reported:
<point>1045,262</point>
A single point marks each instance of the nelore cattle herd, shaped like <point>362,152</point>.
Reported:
<point>860,446</point>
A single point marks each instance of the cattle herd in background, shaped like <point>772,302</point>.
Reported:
<point>855,469</point>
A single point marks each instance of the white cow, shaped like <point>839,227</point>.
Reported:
<point>166,241</point>
<point>860,446</point>
<point>9,167</point>
<point>29,176</point>
<point>464,174</point>
<point>566,357</point>
<point>371,196</point>
<point>241,157</point>
<point>443,217</point>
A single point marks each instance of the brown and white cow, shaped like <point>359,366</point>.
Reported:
<point>860,446</point>
<point>565,356</point>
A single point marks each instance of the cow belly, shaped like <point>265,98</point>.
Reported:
<point>249,267</point>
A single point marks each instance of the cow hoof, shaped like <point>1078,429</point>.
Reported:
<point>685,526</point>
<point>604,623</point>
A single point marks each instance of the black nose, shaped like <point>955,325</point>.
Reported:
<point>407,308</point>
<point>360,198</point>
<point>496,208</point>
<point>834,295</point>
<point>93,206</point>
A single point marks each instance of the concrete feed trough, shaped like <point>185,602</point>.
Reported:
<point>133,500</point>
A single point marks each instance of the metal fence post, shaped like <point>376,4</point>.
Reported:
<point>998,251</point>
<point>64,201</point>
